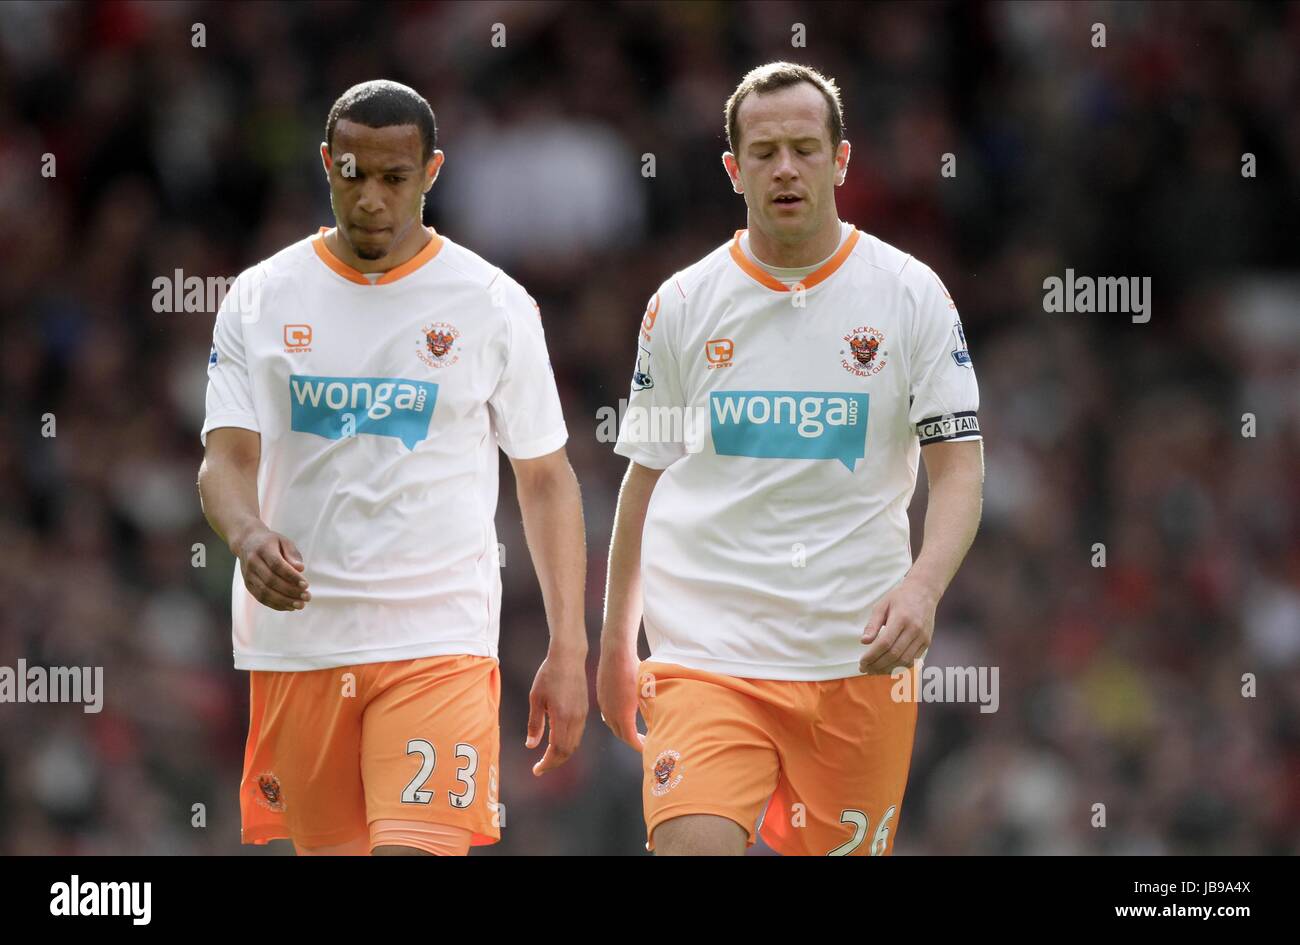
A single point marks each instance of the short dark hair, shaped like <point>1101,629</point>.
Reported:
<point>780,75</point>
<point>382,103</point>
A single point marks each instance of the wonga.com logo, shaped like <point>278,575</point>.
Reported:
<point>335,407</point>
<point>790,424</point>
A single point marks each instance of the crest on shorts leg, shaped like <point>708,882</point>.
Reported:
<point>666,773</point>
<point>272,798</point>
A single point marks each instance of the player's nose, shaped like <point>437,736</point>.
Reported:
<point>371,198</point>
<point>785,168</point>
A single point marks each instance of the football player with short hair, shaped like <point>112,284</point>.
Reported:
<point>785,387</point>
<point>360,384</point>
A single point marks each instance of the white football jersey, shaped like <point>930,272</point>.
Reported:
<point>788,423</point>
<point>381,405</point>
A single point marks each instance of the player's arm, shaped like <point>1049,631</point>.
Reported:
<point>955,476</point>
<point>656,386</point>
<point>944,412</point>
<point>955,473</point>
<point>616,688</point>
<point>551,504</point>
<point>530,429</point>
<point>270,563</point>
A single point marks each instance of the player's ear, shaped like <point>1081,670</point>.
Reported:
<point>842,161</point>
<point>432,168</point>
<point>733,171</point>
<point>325,158</point>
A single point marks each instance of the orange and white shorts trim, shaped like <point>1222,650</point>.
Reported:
<point>334,753</point>
<point>828,761</point>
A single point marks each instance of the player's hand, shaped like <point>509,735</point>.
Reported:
<point>616,694</point>
<point>560,694</point>
<point>272,568</point>
<point>899,629</point>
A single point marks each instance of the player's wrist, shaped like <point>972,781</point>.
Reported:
<point>927,587</point>
<point>567,650</point>
<point>614,644</point>
<point>240,534</point>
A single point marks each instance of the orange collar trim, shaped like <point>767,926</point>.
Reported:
<point>763,277</point>
<point>430,250</point>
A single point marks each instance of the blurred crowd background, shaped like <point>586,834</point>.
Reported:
<point>1120,686</point>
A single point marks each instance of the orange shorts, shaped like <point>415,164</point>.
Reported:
<point>827,760</point>
<point>332,751</point>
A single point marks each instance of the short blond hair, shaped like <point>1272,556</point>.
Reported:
<point>780,75</point>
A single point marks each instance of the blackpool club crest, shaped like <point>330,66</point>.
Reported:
<point>865,354</point>
<point>437,347</point>
<point>667,772</point>
<point>271,797</point>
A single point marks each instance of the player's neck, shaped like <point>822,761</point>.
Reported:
<point>407,248</point>
<point>809,252</point>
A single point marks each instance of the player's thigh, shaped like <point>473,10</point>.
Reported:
<point>302,771</point>
<point>357,846</point>
<point>418,838</point>
<point>700,835</point>
<point>430,747</point>
<point>707,755</point>
<point>844,775</point>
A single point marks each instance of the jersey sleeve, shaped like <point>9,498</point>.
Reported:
<point>525,406</point>
<point>944,394</point>
<point>652,430</point>
<point>230,386</point>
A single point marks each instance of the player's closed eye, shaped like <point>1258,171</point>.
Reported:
<point>764,155</point>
